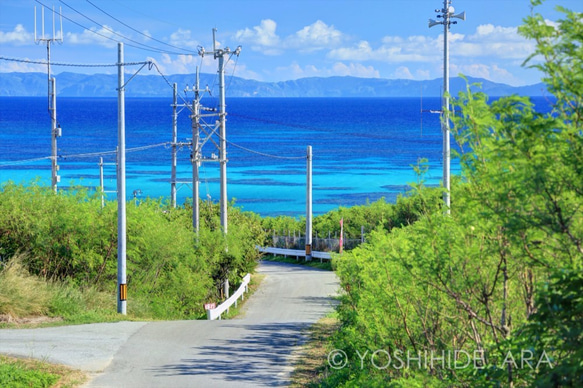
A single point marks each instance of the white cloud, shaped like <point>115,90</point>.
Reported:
<point>264,38</point>
<point>18,36</point>
<point>22,67</point>
<point>242,71</point>
<point>187,64</point>
<point>183,64</point>
<point>422,74</point>
<point>402,72</point>
<point>355,70</point>
<point>492,73</point>
<point>495,41</point>
<point>295,71</point>
<point>489,41</point>
<point>104,37</point>
<point>261,38</point>
<point>392,50</point>
<point>183,38</point>
<point>147,36</point>
<point>314,37</point>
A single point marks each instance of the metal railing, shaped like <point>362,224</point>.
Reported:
<point>215,313</point>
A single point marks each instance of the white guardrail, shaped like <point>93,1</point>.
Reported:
<point>294,252</point>
<point>215,313</point>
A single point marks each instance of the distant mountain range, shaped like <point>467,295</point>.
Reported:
<point>104,85</point>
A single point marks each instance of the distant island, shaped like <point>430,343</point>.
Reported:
<point>104,85</point>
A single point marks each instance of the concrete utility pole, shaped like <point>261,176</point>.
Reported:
<point>196,155</point>
<point>121,187</point>
<point>101,180</point>
<point>55,133</point>
<point>101,184</point>
<point>52,92</point>
<point>220,55</point>
<point>309,204</point>
<point>174,140</point>
<point>446,14</point>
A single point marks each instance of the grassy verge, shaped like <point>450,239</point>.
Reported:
<point>315,263</point>
<point>28,301</point>
<point>16,373</point>
<point>311,366</point>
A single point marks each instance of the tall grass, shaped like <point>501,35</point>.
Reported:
<point>22,294</point>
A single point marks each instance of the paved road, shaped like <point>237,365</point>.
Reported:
<point>254,350</point>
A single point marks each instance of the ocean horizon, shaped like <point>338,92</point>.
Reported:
<point>363,148</point>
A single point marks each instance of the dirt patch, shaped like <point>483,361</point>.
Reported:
<point>33,321</point>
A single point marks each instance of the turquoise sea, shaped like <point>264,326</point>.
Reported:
<point>363,149</point>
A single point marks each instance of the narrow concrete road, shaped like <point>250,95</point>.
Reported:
<point>253,350</point>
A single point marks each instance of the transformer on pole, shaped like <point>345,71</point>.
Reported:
<point>220,125</point>
<point>446,14</point>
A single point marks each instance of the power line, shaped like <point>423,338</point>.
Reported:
<point>24,161</point>
<point>75,64</point>
<point>139,32</point>
<point>152,49</point>
<point>147,47</point>
<point>83,155</point>
<point>186,104</point>
<point>265,154</point>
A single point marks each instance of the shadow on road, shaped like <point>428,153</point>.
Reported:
<point>259,357</point>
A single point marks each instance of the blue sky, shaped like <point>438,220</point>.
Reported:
<point>282,39</point>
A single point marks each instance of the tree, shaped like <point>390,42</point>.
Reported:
<point>502,274</point>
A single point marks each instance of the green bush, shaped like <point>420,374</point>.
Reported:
<point>171,270</point>
<point>500,275</point>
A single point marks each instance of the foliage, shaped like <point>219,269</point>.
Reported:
<point>16,373</point>
<point>370,216</point>
<point>501,276</point>
<point>171,271</point>
<point>15,376</point>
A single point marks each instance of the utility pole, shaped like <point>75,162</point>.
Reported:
<point>196,155</point>
<point>101,180</point>
<point>174,140</point>
<point>52,91</point>
<point>446,14</point>
<point>309,204</point>
<point>121,186</point>
<point>101,185</point>
<point>55,133</point>
<point>220,55</point>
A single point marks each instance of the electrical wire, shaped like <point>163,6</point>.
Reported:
<point>84,155</point>
<point>265,154</point>
<point>139,32</point>
<point>75,64</point>
<point>145,46</point>
<point>24,161</point>
<point>152,49</point>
